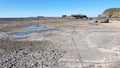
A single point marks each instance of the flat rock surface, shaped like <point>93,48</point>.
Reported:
<point>71,45</point>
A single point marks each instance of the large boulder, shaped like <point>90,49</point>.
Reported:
<point>102,21</point>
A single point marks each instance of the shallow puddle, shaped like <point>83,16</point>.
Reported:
<point>34,27</point>
<point>18,34</point>
<point>49,30</point>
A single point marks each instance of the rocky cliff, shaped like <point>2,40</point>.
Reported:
<point>112,12</point>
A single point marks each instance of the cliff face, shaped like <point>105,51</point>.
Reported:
<point>112,12</point>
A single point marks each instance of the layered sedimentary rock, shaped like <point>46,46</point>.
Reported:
<point>112,12</point>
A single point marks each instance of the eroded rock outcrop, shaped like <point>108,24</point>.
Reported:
<point>75,16</point>
<point>112,12</point>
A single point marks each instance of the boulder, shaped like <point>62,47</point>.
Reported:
<point>102,21</point>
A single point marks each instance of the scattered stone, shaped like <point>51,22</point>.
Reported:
<point>14,57</point>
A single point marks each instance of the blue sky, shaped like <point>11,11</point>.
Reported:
<point>26,8</point>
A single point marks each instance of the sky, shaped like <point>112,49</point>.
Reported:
<point>55,8</point>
